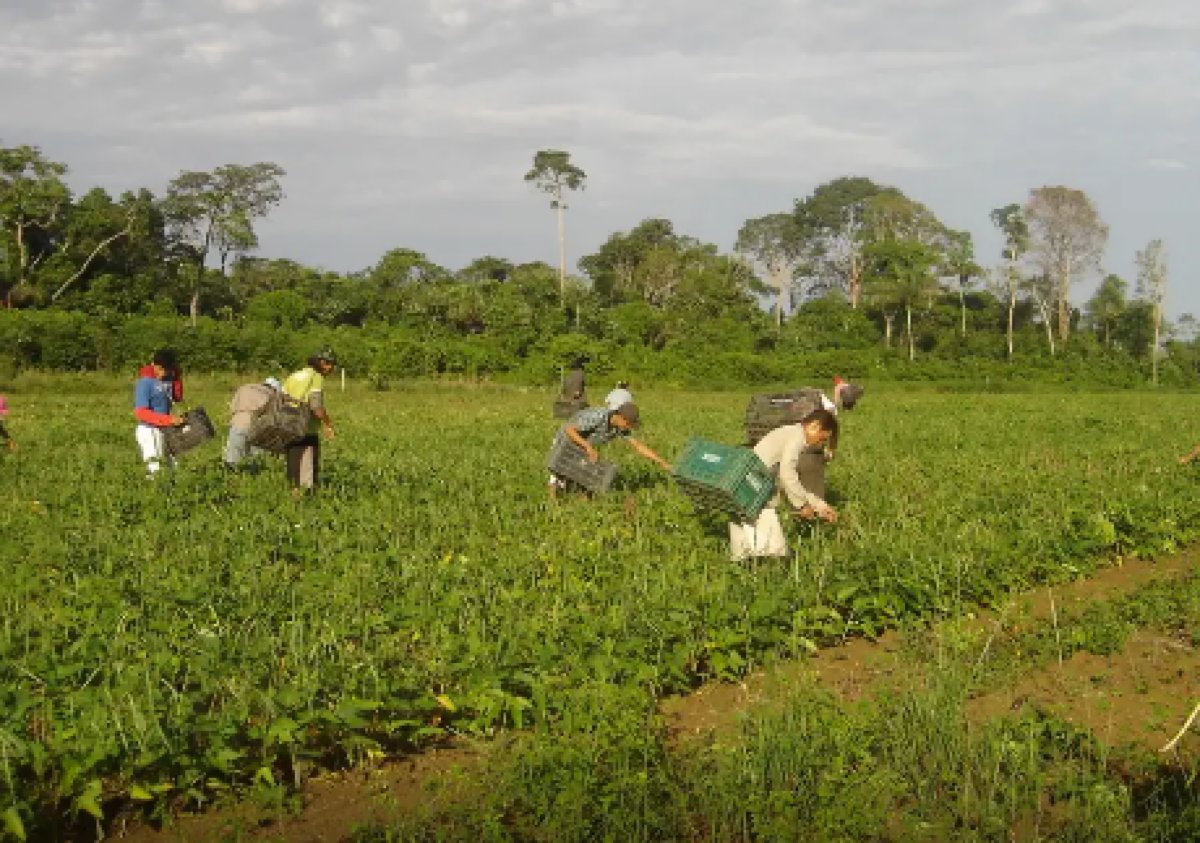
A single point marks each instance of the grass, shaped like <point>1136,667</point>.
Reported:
<point>165,641</point>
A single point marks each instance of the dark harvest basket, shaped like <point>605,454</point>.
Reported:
<point>569,461</point>
<point>196,428</point>
<point>564,408</point>
<point>278,425</point>
<point>764,413</point>
<point>724,478</point>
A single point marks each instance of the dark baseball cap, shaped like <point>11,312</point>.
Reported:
<point>629,412</point>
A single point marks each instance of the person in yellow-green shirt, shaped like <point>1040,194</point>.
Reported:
<point>307,387</point>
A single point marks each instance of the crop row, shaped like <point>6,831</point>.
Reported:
<point>164,641</point>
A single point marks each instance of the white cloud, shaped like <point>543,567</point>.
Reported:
<point>667,104</point>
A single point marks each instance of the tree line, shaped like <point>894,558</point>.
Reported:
<point>856,273</point>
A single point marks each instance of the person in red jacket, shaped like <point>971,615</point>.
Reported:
<point>153,396</point>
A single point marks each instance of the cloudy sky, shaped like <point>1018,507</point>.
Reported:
<point>411,122</point>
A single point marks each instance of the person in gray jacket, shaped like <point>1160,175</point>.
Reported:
<point>247,402</point>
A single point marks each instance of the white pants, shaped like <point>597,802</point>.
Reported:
<point>762,538</point>
<point>154,452</point>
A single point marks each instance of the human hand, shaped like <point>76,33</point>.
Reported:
<point>177,421</point>
<point>592,454</point>
<point>827,513</point>
<point>327,427</point>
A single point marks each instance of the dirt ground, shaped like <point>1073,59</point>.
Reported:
<point>1141,695</point>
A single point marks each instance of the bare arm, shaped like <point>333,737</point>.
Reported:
<point>575,436</point>
<point>645,450</point>
<point>1191,455</point>
<point>316,403</point>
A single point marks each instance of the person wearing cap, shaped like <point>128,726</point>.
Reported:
<point>782,452</point>
<point>4,436</point>
<point>598,425</point>
<point>620,395</point>
<point>153,395</point>
<point>248,401</point>
<point>307,387</point>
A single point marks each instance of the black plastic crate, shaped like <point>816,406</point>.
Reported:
<point>568,460</point>
<point>766,412</point>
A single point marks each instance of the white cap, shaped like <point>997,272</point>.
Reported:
<point>273,383</point>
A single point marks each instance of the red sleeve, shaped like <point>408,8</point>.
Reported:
<point>148,416</point>
<point>177,385</point>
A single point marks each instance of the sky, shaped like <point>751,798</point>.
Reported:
<point>411,123</point>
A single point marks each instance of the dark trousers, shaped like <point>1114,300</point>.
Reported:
<point>303,462</point>
<point>811,468</point>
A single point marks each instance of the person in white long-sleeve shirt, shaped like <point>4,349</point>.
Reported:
<point>781,451</point>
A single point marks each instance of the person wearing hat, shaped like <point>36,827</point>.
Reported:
<point>620,395</point>
<point>307,387</point>
<point>597,425</point>
<point>248,401</point>
<point>153,395</point>
<point>783,451</point>
<point>4,437</point>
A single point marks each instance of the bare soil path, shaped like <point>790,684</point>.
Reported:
<point>1139,695</point>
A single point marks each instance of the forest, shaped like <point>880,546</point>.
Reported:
<point>855,277</point>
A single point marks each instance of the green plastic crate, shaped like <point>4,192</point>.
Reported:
<point>725,478</point>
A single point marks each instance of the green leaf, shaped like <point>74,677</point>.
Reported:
<point>89,799</point>
<point>13,824</point>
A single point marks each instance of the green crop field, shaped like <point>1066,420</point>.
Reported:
<point>164,641</point>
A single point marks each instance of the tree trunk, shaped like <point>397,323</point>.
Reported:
<point>88,262</point>
<point>855,282</point>
<point>562,256</point>
<point>962,306</point>
<point>22,256</point>
<point>912,349</point>
<point>1012,307</point>
<point>194,305</point>
<point>1154,347</point>
<point>781,288</point>
<point>887,329</point>
<point>1064,303</point>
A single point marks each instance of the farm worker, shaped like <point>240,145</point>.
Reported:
<point>620,395</point>
<point>4,437</point>
<point>781,451</point>
<point>573,388</point>
<point>247,402</point>
<point>812,462</point>
<point>597,425</point>
<point>307,387</point>
<point>152,398</point>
